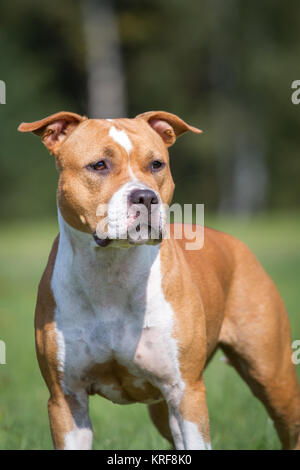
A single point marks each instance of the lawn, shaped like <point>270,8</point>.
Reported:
<point>238,421</point>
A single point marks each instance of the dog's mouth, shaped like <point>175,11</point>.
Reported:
<point>103,242</point>
<point>143,234</point>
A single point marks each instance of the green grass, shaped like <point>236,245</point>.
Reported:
<point>238,421</point>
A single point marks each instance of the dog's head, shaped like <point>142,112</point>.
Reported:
<point>114,175</point>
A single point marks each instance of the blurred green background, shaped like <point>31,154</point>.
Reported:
<point>226,67</point>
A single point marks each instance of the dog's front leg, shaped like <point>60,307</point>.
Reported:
<point>188,418</point>
<point>71,427</point>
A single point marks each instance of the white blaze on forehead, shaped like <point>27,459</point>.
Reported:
<point>121,138</point>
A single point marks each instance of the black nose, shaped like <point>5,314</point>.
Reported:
<point>143,196</point>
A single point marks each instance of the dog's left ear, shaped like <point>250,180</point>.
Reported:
<point>167,125</point>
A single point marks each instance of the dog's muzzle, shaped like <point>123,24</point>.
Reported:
<point>135,215</point>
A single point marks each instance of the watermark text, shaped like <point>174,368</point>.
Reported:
<point>138,223</point>
<point>2,352</point>
<point>2,92</point>
<point>296,353</point>
<point>296,94</point>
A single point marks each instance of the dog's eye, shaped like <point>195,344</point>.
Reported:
<point>157,165</point>
<point>99,166</point>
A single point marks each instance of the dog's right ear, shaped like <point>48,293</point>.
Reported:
<point>54,129</point>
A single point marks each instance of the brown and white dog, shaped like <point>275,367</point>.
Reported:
<point>138,320</point>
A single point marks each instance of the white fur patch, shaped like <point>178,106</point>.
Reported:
<point>60,349</point>
<point>121,138</point>
<point>193,438</point>
<point>79,439</point>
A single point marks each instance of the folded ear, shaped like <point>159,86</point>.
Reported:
<point>54,129</point>
<point>167,125</point>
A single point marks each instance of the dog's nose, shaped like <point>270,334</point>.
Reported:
<point>143,196</point>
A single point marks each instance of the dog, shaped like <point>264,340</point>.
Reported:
<point>137,319</point>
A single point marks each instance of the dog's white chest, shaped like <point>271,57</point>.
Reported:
<point>113,312</point>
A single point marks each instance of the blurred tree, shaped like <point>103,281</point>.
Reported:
<point>106,93</point>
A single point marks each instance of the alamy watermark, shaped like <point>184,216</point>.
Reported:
<point>2,352</point>
<point>138,223</point>
<point>296,94</point>
<point>2,92</point>
<point>296,353</point>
